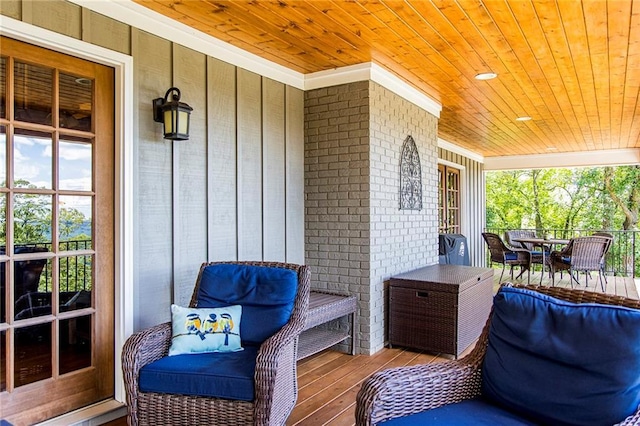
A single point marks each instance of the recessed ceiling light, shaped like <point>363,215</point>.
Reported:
<point>486,76</point>
<point>83,81</point>
<point>523,118</point>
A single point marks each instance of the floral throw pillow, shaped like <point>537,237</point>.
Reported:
<point>205,330</point>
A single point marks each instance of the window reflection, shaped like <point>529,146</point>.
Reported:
<point>32,285</point>
<point>3,272</point>
<point>74,222</point>
<point>3,156</point>
<point>75,280</point>
<point>75,344</point>
<point>75,157</point>
<point>32,159</point>
<point>3,361</point>
<point>33,93</point>
<point>3,221</point>
<point>76,99</point>
<point>32,354</point>
<point>31,219</point>
<point>3,87</point>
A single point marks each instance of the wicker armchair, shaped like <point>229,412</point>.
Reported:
<point>537,256</point>
<point>404,391</point>
<point>275,381</point>
<point>513,256</point>
<point>581,254</point>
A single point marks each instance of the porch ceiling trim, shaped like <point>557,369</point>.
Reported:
<point>614,157</point>
<point>154,23</point>
<point>444,144</point>
<point>373,72</point>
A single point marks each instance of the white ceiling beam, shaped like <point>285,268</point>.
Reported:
<point>613,157</point>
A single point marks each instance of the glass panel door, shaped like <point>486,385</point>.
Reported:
<point>448,200</point>
<point>56,233</point>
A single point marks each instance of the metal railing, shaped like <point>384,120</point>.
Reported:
<point>75,272</point>
<point>623,258</point>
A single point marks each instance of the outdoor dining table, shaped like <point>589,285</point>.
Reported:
<point>543,243</point>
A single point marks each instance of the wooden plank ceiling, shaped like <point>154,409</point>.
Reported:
<point>573,66</point>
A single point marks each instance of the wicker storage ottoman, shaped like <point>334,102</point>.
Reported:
<point>439,308</point>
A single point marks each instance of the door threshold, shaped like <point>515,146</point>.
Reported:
<point>92,415</point>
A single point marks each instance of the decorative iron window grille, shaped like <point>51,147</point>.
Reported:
<point>410,176</point>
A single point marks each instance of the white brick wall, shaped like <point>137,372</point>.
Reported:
<point>355,235</point>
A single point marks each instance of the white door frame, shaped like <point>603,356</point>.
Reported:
<point>123,197</point>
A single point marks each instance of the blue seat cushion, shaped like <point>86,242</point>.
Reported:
<point>476,412</point>
<point>267,296</point>
<point>510,256</point>
<point>562,363</point>
<point>539,253</point>
<point>228,375</point>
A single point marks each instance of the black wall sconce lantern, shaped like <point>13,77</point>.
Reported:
<point>173,114</point>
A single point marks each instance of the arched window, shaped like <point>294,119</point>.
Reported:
<point>410,176</point>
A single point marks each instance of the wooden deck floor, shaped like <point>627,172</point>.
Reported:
<point>621,286</point>
<point>329,382</point>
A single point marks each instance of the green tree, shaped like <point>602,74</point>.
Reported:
<point>71,220</point>
<point>621,184</point>
<point>580,198</point>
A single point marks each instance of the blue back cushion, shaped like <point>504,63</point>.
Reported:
<point>267,296</point>
<point>562,363</point>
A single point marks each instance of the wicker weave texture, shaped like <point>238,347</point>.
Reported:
<point>275,381</point>
<point>439,308</point>
<point>586,254</point>
<point>500,253</point>
<point>403,391</point>
<point>323,307</point>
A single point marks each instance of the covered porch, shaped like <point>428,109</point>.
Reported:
<point>294,151</point>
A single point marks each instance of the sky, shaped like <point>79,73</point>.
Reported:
<point>33,162</point>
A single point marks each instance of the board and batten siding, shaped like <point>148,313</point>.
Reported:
<point>473,203</point>
<point>233,191</point>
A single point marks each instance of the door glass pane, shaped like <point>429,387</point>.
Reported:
<point>3,87</point>
<point>33,93</point>
<point>74,222</point>
<point>3,361</point>
<point>3,293</point>
<point>76,100</point>
<point>3,156</point>
<point>75,282</point>
<point>32,286</point>
<point>31,220</point>
<point>75,344</point>
<point>32,159</point>
<point>32,354</point>
<point>3,223</point>
<point>75,164</point>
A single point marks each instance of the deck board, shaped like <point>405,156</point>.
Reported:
<point>621,286</point>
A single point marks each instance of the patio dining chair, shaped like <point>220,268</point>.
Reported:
<point>512,256</point>
<point>538,253</point>
<point>582,254</point>
<point>604,261</point>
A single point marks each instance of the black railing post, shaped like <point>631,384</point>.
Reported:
<point>633,251</point>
